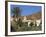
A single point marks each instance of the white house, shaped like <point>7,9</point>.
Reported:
<point>38,22</point>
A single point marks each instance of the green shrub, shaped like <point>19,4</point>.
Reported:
<point>31,24</point>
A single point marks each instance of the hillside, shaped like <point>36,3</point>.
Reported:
<point>34,16</point>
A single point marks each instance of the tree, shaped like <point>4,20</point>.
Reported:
<point>17,12</point>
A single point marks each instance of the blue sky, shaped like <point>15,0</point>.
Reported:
<point>26,9</point>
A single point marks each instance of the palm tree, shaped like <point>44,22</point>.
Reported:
<point>17,12</point>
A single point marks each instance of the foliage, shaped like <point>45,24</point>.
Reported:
<point>21,26</point>
<point>31,24</point>
<point>16,11</point>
